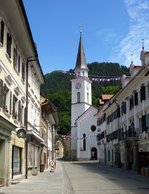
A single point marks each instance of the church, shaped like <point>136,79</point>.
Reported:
<point>83,113</point>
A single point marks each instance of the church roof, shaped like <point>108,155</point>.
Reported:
<point>81,59</point>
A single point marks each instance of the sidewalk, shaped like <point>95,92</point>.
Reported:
<point>46,182</point>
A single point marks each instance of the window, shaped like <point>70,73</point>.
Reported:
<point>78,96</point>
<point>15,53</point>
<point>93,128</point>
<point>16,160</point>
<point>1,32</point>
<point>142,93</point>
<point>118,112</point>
<point>87,97</point>
<point>108,155</point>
<point>131,102</point>
<point>20,112</point>
<point>1,93</point>
<point>84,142</point>
<point>144,128</point>
<point>135,98</point>
<point>9,42</point>
<point>23,71</point>
<point>4,97</point>
<point>15,107</point>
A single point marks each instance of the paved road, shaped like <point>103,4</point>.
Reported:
<point>92,178</point>
<point>82,178</point>
<point>43,183</point>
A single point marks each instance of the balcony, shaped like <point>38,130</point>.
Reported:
<point>130,134</point>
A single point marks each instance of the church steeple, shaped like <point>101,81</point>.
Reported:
<point>81,68</point>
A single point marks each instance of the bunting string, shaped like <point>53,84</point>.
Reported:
<point>98,78</point>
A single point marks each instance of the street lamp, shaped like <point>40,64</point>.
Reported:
<point>29,59</point>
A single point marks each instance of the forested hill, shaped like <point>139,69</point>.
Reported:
<point>57,88</point>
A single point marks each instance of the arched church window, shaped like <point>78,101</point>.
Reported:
<point>84,141</point>
<point>78,96</point>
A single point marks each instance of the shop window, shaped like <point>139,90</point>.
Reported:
<point>16,160</point>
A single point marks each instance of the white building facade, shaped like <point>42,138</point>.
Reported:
<point>126,122</point>
<point>16,46</point>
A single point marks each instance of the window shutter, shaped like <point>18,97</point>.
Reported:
<point>10,101</point>
<point>20,111</point>
<point>1,93</point>
<point>2,32</point>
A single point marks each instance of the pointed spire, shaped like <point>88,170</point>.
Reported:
<point>132,59</point>
<point>143,44</point>
<point>81,59</point>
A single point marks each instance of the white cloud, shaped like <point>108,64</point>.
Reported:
<point>138,11</point>
<point>107,34</point>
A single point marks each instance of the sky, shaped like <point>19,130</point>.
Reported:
<point>113,31</point>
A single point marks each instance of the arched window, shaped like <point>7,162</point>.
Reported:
<point>78,96</point>
<point>84,141</point>
<point>87,97</point>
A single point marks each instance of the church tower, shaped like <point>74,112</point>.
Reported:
<point>81,94</point>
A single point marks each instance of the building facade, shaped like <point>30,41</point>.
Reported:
<point>123,122</point>
<point>16,48</point>
<point>48,131</point>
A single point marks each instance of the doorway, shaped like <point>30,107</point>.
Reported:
<point>94,153</point>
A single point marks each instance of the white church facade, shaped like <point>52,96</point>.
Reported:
<point>83,120</point>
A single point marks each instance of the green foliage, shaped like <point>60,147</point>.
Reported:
<point>109,89</point>
<point>57,88</point>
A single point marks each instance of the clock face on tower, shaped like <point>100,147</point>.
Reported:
<point>78,85</point>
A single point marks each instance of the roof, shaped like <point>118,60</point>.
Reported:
<point>91,107</point>
<point>81,59</point>
<point>101,102</point>
<point>106,96</point>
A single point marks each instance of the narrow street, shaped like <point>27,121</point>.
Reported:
<point>81,178</point>
<point>92,178</point>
